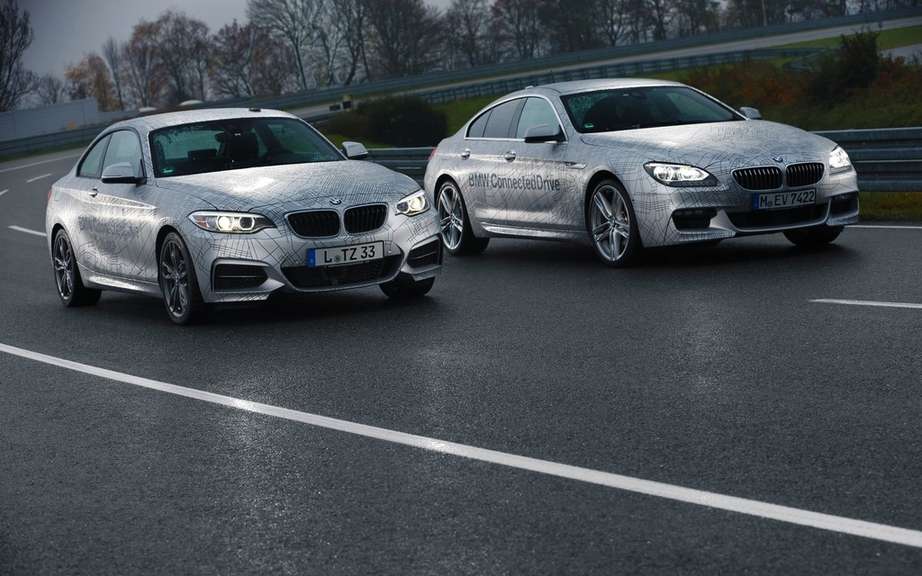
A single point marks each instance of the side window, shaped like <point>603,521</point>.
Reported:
<point>92,162</point>
<point>124,147</point>
<point>478,125</point>
<point>536,112</point>
<point>500,123</point>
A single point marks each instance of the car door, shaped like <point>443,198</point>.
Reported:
<point>544,179</point>
<point>126,220</point>
<point>81,215</point>
<point>486,162</point>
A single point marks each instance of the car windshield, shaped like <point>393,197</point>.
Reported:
<point>644,107</point>
<point>236,143</point>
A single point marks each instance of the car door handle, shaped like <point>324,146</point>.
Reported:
<point>94,192</point>
<point>466,154</point>
<point>509,156</point>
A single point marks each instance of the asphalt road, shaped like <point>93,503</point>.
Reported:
<point>707,368</point>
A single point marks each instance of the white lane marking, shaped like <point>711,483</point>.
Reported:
<point>787,514</point>
<point>884,227</point>
<point>2,192</point>
<point>27,231</point>
<point>39,163</point>
<point>34,178</point>
<point>873,303</point>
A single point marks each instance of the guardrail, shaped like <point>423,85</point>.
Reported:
<point>887,160</point>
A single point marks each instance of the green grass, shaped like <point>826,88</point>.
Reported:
<point>894,206</point>
<point>887,39</point>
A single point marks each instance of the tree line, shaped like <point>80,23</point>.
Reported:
<point>288,46</point>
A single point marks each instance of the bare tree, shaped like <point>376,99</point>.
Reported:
<point>15,38</point>
<point>329,41</point>
<point>112,53</point>
<point>613,18</point>
<point>467,24</point>
<point>519,27</point>
<point>352,17</point>
<point>407,36</point>
<point>183,49</point>
<point>49,89</point>
<point>293,20</point>
<point>142,64</point>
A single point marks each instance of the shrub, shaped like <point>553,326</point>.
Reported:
<point>850,69</point>
<point>397,121</point>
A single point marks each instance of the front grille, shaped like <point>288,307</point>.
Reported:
<point>237,277</point>
<point>315,224</point>
<point>774,218</point>
<point>426,255</point>
<point>365,218</point>
<point>766,178</point>
<point>804,174</point>
<point>330,276</point>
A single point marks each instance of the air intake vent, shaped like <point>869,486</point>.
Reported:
<point>365,218</point>
<point>767,178</point>
<point>804,174</point>
<point>315,224</point>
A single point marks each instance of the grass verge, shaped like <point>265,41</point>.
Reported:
<point>886,39</point>
<point>893,206</point>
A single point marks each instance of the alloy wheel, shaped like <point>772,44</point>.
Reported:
<point>451,217</point>
<point>64,267</point>
<point>610,222</point>
<point>175,275</point>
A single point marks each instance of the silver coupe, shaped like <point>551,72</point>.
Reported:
<point>216,206</point>
<point>626,164</point>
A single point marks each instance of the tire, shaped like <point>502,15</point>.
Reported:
<point>455,225</point>
<point>813,237</point>
<point>178,283</point>
<point>67,274</point>
<point>404,288</point>
<point>612,225</point>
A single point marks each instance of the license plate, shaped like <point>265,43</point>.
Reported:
<point>344,254</point>
<point>776,200</point>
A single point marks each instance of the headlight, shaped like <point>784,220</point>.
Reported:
<point>230,222</point>
<point>839,160</point>
<point>679,174</point>
<point>415,203</point>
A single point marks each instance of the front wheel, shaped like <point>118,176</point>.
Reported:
<point>813,237</point>
<point>457,235</point>
<point>178,282</point>
<point>67,274</point>
<point>404,288</point>
<point>613,225</point>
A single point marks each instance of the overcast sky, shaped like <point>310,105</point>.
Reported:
<point>65,30</point>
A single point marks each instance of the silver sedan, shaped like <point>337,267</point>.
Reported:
<point>219,206</point>
<point>626,164</point>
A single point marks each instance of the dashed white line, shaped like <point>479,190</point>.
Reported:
<point>28,231</point>
<point>884,227</point>
<point>2,192</point>
<point>873,303</point>
<point>34,178</point>
<point>757,508</point>
<point>39,163</point>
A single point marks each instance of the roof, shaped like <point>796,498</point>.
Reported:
<point>605,84</point>
<point>156,121</point>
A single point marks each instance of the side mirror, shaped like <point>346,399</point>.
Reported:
<point>121,173</point>
<point>355,151</point>
<point>751,113</point>
<point>543,133</point>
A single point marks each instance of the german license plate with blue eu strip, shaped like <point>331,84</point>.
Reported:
<point>341,255</point>
<point>778,200</point>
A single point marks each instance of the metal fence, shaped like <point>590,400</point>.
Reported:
<point>887,160</point>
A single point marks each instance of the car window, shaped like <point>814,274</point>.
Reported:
<point>91,165</point>
<point>479,125</point>
<point>124,147</point>
<point>236,143</point>
<point>500,123</point>
<point>643,107</point>
<point>537,111</point>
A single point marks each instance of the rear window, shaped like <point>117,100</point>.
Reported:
<point>91,165</point>
<point>236,143</point>
<point>500,123</point>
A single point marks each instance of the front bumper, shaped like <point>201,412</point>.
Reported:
<point>669,216</point>
<point>247,268</point>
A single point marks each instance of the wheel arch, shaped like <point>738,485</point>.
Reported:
<point>603,174</point>
<point>161,236</point>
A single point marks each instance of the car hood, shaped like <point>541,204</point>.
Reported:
<point>743,143</point>
<point>295,186</point>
